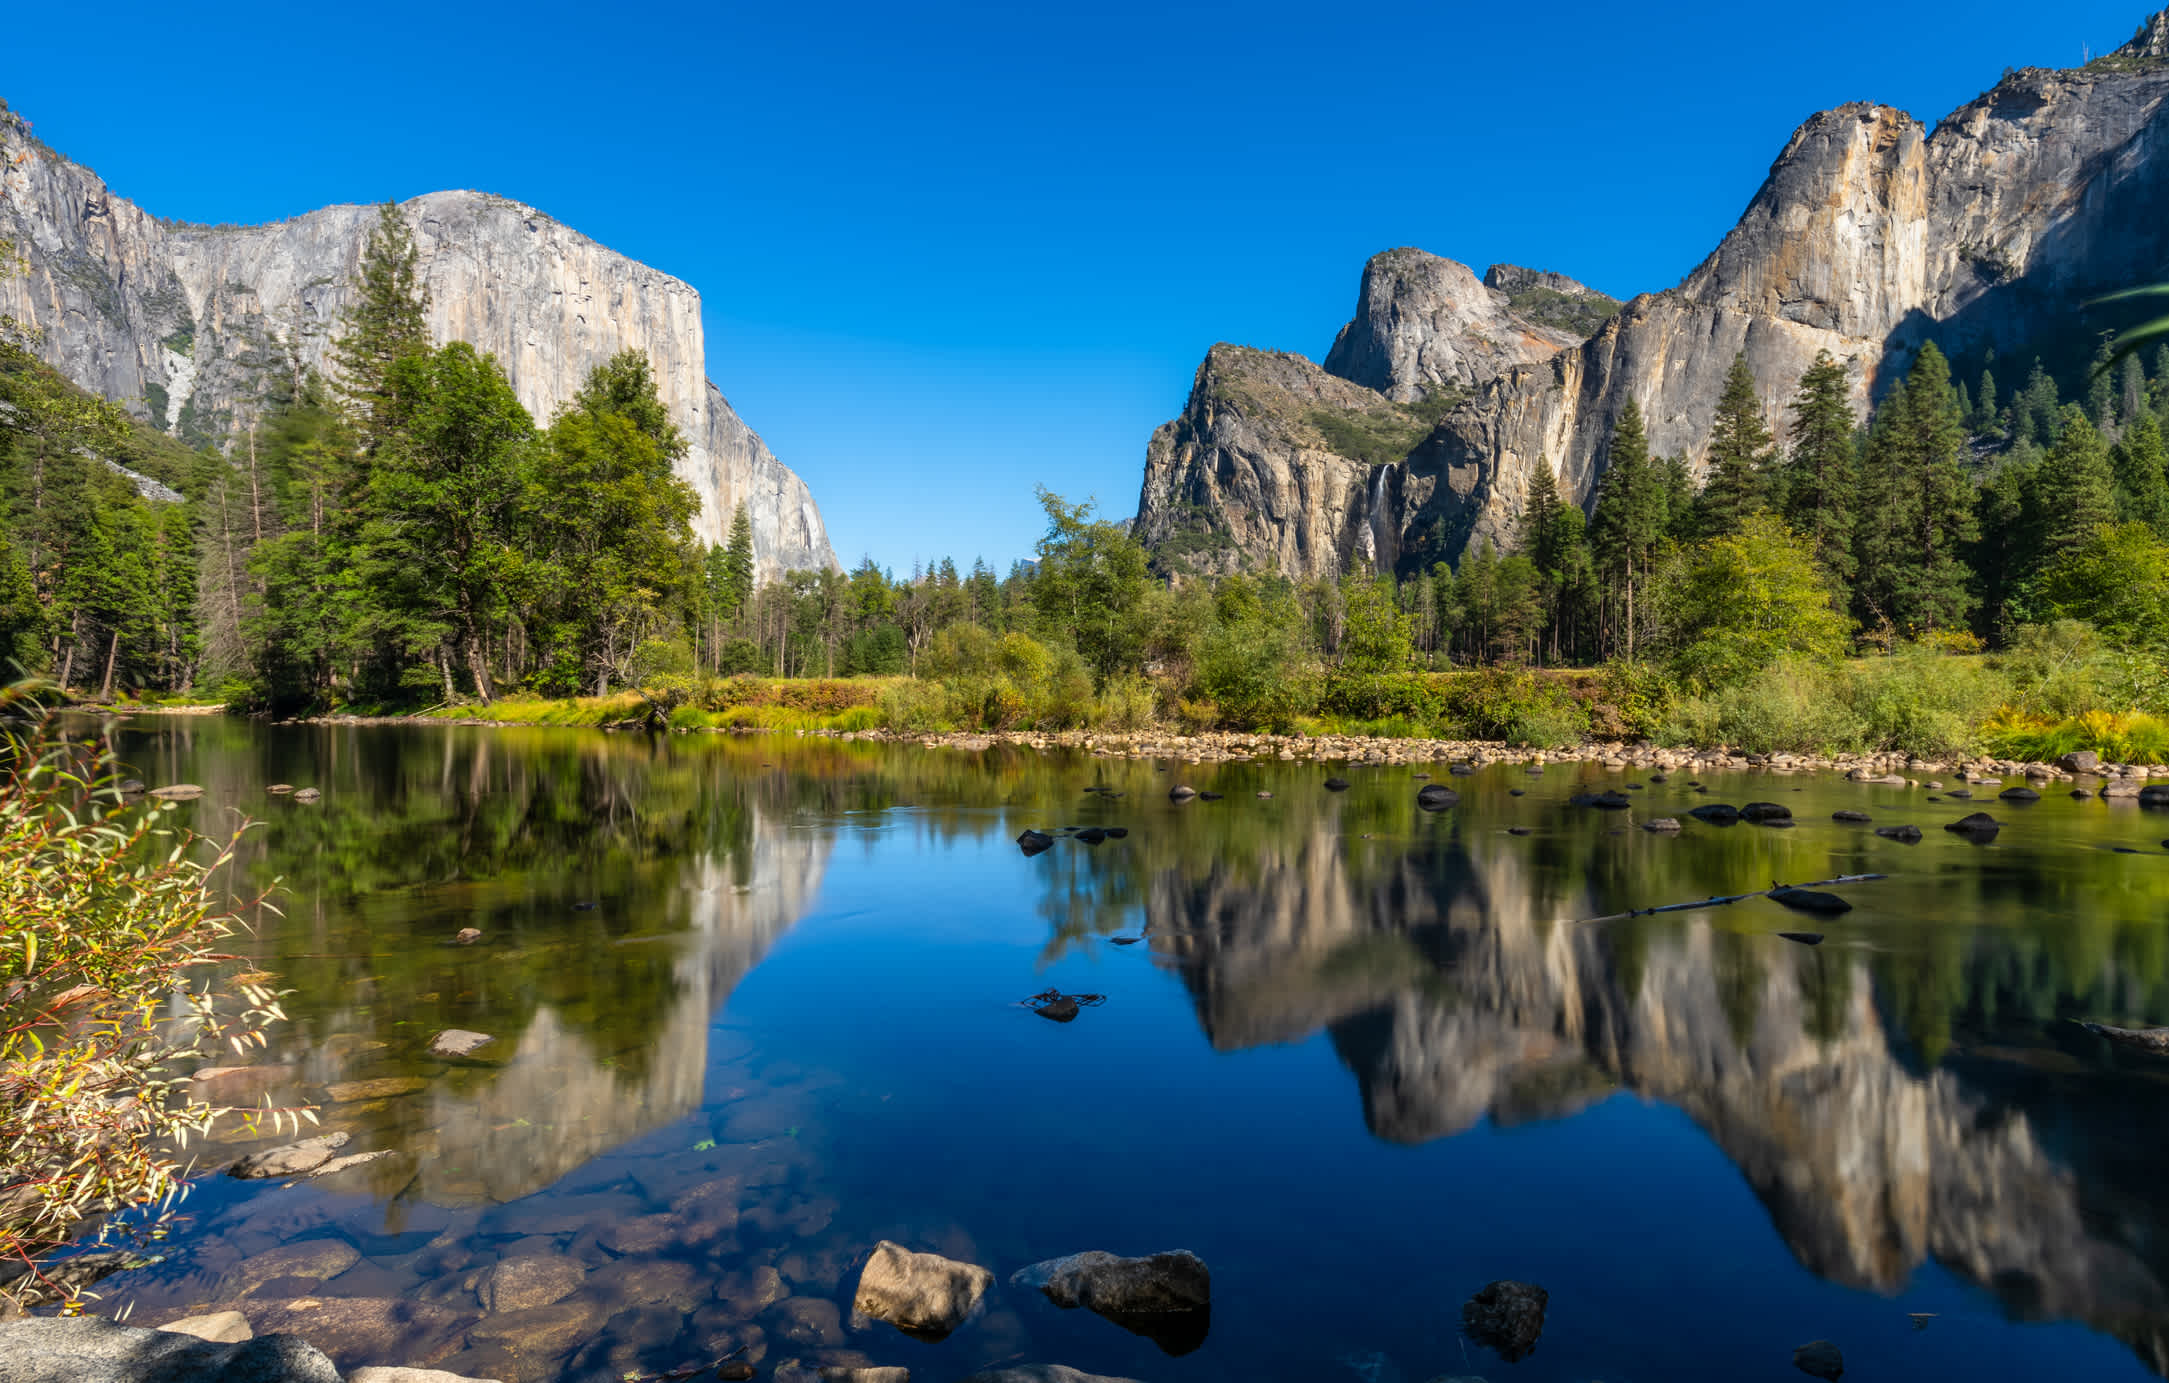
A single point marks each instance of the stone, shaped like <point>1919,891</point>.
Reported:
<point>177,792</point>
<point>517,1284</point>
<point>1810,900</point>
<point>1763,812</point>
<point>1181,792</point>
<point>313,1259</point>
<point>881,1373</point>
<point>1060,1009</point>
<point>1506,1317</point>
<point>377,1373</point>
<point>540,1330</point>
<point>219,1327</point>
<point>1716,813</point>
<point>279,789</point>
<point>364,1330</point>
<point>234,1083</point>
<point>1090,835</point>
<point>1034,842</point>
<point>1804,938</point>
<point>458,1042</point>
<point>90,1349</point>
<point>2121,787</point>
<point>308,795</point>
<point>1336,785</point>
<point>383,1087</point>
<point>2154,795</point>
<point>1602,801</point>
<point>923,1293</point>
<point>2151,1040</point>
<point>1819,1359</point>
<point>1852,817</point>
<point>747,1294</point>
<point>467,936</point>
<point>1910,835</point>
<point>806,1322</point>
<point>2080,761</point>
<point>1662,825</point>
<point>1979,827</point>
<point>1434,798</point>
<point>1099,1281</point>
<point>351,1160</point>
<point>2019,795</point>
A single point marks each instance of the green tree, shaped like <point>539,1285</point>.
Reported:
<point>1377,636</point>
<point>1630,518</point>
<point>2077,487</point>
<point>1917,507</point>
<point>2142,474</point>
<point>1820,477</point>
<point>2117,580</point>
<point>1091,584</point>
<point>1740,456</point>
<point>386,320</point>
<point>1743,599</point>
<point>22,617</point>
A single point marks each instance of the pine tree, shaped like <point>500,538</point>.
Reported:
<point>2076,488</point>
<point>2142,475</point>
<point>2131,391</point>
<point>22,618</point>
<point>1630,517</point>
<point>2101,388</point>
<point>386,321</point>
<point>738,565</point>
<point>1820,474</point>
<point>1917,511</point>
<point>1739,457</point>
<point>1985,421</point>
<point>2037,412</point>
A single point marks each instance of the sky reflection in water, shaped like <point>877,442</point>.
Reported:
<point>1363,1063</point>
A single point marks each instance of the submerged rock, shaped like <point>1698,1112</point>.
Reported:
<point>1909,834</point>
<point>219,1327</point>
<point>1507,1317</point>
<point>1434,798</point>
<point>1602,801</point>
<point>1042,1373</point>
<point>468,936</point>
<point>923,1293</point>
<point>1090,835</point>
<point>530,1280</point>
<point>1819,1359</point>
<point>1336,785</point>
<point>291,1160</point>
<point>1810,900</point>
<point>1099,1281</point>
<point>312,1259</point>
<point>458,1042</point>
<point>1857,818</point>
<point>383,1087</point>
<point>1716,813</point>
<point>2152,1040</point>
<point>89,1349</point>
<point>1118,832</point>
<point>1761,812</point>
<point>1663,825</point>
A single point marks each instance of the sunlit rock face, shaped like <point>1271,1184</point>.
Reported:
<point>189,326</point>
<point>1457,989</point>
<point>1871,235</point>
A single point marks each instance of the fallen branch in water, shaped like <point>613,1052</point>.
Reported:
<point>1718,900</point>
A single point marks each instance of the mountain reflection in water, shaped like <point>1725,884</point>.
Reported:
<point>1905,1099</point>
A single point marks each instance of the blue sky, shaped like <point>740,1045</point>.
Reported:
<point>948,252</point>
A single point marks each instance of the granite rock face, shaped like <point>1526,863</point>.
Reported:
<point>1871,236</point>
<point>187,325</point>
<point>86,1349</point>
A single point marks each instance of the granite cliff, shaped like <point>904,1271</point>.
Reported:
<point>187,325</point>
<point>1871,235</point>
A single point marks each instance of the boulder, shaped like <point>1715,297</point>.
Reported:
<point>1908,834</point>
<point>2154,795</point>
<point>1434,798</point>
<point>2122,787</point>
<point>89,1349</point>
<point>1506,1317</point>
<point>1716,814</point>
<point>1810,900</point>
<point>1035,842</point>
<point>1760,812</point>
<point>2080,761</point>
<point>1181,792</point>
<point>1819,1359</point>
<point>2019,795</point>
<point>1602,801</point>
<point>364,1330</point>
<point>312,1259</point>
<point>291,1160</point>
<point>1979,827</point>
<point>1855,818</point>
<point>1663,825</point>
<point>1090,835</point>
<point>922,1293</point>
<point>458,1042</point>
<point>1111,1285</point>
<point>1336,785</point>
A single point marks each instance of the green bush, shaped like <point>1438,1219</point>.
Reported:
<point>1795,704</point>
<point>1516,706</point>
<point>1924,702</point>
<point>1410,696</point>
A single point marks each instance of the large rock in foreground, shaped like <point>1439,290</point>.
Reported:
<point>923,1293</point>
<point>1110,1285</point>
<point>87,1349</point>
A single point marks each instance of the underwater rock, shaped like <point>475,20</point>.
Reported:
<point>922,1293</point>
<point>1819,1359</point>
<point>1507,1317</point>
<point>1978,828</point>
<point>458,1042</point>
<point>1336,785</point>
<point>1034,842</point>
<point>1909,834</point>
<point>1857,818</point>
<point>291,1160</point>
<point>1602,801</point>
<point>1103,1282</point>
<point>1662,825</point>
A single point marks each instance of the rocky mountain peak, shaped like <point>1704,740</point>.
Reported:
<point>2151,43</point>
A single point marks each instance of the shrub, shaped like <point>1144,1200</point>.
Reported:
<point>918,708</point>
<point>1796,704</point>
<point>1631,701</point>
<point>106,922</point>
<point>1924,702</point>
<point>1125,703</point>
<point>1411,696</point>
<point>1516,706</point>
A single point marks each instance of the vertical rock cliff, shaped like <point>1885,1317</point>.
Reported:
<point>1871,235</point>
<point>188,325</point>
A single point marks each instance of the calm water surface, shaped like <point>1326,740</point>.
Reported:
<point>1364,1061</point>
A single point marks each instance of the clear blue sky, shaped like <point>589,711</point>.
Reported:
<point>949,252</point>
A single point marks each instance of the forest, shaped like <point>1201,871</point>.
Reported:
<point>1985,562</point>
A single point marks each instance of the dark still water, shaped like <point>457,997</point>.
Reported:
<point>756,1008</point>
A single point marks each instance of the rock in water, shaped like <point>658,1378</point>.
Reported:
<point>177,792</point>
<point>290,1160</point>
<point>2080,761</point>
<point>1433,798</point>
<point>1909,834</point>
<point>1761,812</point>
<point>1804,938</point>
<point>219,1327</point>
<point>1506,1317</point>
<point>2154,795</point>
<point>1856,818</point>
<point>1819,1359</point>
<point>1663,826</point>
<point>2019,795</point>
<point>458,1042</point>
<point>1810,900</point>
<point>1090,835</point>
<point>1978,828</point>
<point>89,1349</point>
<point>468,936</point>
<point>1061,1010</point>
<point>1602,801</point>
<point>1336,785</point>
<point>1118,832</point>
<point>1716,813</point>
<point>1042,1373</point>
<point>1034,842</point>
<point>1181,792</point>
<point>923,1293</point>
<point>1098,1281</point>
<point>2151,1040</point>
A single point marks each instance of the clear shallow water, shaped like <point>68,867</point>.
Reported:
<point>1364,1062</point>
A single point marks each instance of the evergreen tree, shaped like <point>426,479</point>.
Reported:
<point>1676,492</point>
<point>1740,456</point>
<point>2131,403</point>
<point>22,618</point>
<point>1820,473</point>
<point>1630,518</point>
<point>1985,420</point>
<point>2142,475</point>
<point>2006,542</point>
<point>385,321</point>
<point>1917,512</point>
<point>2076,488</point>
<point>2037,412</point>
<point>736,583</point>
<point>2101,388</point>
